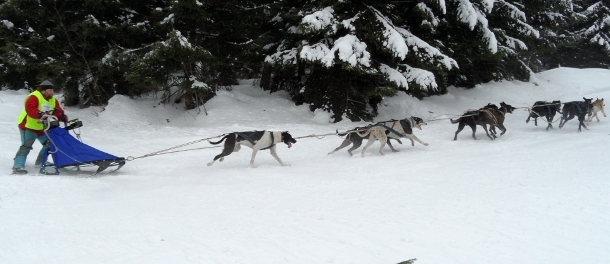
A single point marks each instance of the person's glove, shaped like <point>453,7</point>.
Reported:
<point>63,118</point>
<point>42,115</point>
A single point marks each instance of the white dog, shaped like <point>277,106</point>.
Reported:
<point>257,140</point>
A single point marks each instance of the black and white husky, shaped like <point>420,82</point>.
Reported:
<point>257,140</point>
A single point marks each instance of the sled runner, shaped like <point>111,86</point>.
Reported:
<point>69,153</point>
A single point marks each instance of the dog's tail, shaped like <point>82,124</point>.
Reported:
<point>455,121</point>
<point>219,141</point>
<point>340,134</point>
<point>365,134</point>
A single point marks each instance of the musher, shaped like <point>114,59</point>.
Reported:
<point>36,104</point>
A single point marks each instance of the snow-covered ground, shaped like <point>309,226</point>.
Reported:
<point>531,196</point>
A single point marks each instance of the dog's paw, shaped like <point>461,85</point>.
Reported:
<point>425,144</point>
<point>286,165</point>
<point>210,164</point>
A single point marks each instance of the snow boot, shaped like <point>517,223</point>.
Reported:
<point>19,171</point>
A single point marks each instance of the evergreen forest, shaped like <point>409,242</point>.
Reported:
<point>341,56</point>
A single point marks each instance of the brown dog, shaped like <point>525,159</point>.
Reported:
<point>598,105</point>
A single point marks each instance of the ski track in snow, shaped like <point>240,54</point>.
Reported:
<point>531,196</point>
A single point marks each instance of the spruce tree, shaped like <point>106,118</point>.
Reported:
<point>593,27</point>
<point>27,40</point>
<point>485,37</point>
<point>515,37</point>
<point>551,18</point>
<point>599,30</point>
<point>59,41</point>
<point>584,38</point>
<point>196,48</point>
<point>345,56</point>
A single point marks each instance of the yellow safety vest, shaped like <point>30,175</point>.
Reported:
<point>43,106</point>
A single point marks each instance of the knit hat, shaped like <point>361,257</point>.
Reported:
<point>45,85</point>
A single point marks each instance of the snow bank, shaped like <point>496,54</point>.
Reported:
<point>530,196</point>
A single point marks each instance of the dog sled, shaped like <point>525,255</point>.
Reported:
<point>70,154</point>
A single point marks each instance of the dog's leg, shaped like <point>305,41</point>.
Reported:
<point>274,154</point>
<point>220,157</point>
<point>491,130</point>
<point>581,119</point>
<point>413,137</point>
<point>570,117</point>
<point>368,144</point>
<point>564,118</point>
<point>227,150</point>
<point>503,128</point>
<point>254,150</point>
<point>473,126</point>
<point>352,149</point>
<point>460,128</point>
<point>412,142</point>
<point>390,145</point>
<point>382,139</point>
<point>235,149</point>
<point>357,143</point>
<point>487,132</point>
<point>596,117</point>
<point>346,142</point>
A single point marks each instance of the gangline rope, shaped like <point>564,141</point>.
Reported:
<point>318,136</point>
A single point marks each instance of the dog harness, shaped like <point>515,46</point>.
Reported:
<point>586,106</point>
<point>272,140</point>
<point>578,106</point>
<point>390,129</point>
<point>549,110</point>
<point>246,137</point>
